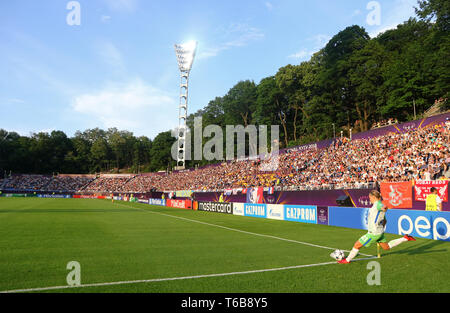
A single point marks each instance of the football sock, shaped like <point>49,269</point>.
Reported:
<point>352,254</point>
<point>396,242</point>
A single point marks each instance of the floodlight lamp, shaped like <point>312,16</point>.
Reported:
<point>185,55</point>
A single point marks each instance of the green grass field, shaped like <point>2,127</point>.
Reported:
<point>131,242</point>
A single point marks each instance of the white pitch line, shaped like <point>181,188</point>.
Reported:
<point>173,278</point>
<point>241,231</point>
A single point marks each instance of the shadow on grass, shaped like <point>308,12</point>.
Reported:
<point>418,248</point>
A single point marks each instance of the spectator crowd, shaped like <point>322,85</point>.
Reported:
<point>27,182</point>
<point>71,183</point>
<point>46,183</point>
<point>384,123</point>
<point>420,154</point>
<point>107,184</point>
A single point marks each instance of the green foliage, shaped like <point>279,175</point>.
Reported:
<point>351,83</point>
<point>160,152</point>
<point>438,10</point>
<point>91,151</point>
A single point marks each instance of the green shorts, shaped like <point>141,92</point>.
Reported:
<point>368,239</point>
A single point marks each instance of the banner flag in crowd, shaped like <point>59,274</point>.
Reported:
<point>397,195</point>
<point>422,189</point>
<point>255,195</point>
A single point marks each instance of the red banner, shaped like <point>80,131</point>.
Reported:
<point>422,189</point>
<point>180,204</point>
<point>397,195</point>
<point>88,197</point>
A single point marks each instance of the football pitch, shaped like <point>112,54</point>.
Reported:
<point>133,247</point>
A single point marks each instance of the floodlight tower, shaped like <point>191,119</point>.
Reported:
<point>185,57</point>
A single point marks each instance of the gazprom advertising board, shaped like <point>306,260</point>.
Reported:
<point>300,213</point>
<point>275,211</point>
<point>238,209</point>
<point>255,210</point>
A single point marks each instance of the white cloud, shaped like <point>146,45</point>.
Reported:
<point>105,18</point>
<point>236,35</point>
<point>316,42</point>
<point>301,55</point>
<point>122,5</point>
<point>268,5</point>
<point>135,106</point>
<point>46,130</point>
<point>40,74</point>
<point>209,52</point>
<point>320,41</point>
<point>356,12</point>
<point>245,35</point>
<point>110,54</point>
<point>15,101</point>
<point>383,29</point>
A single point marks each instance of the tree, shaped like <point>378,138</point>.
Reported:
<point>160,152</point>
<point>61,146</point>
<point>293,82</point>
<point>41,153</point>
<point>333,77</point>
<point>81,154</point>
<point>141,153</point>
<point>416,72</point>
<point>239,103</point>
<point>15,153</point>
<point>99,153</point>
<point>122,144</point>
<point>271,106</point>
<point>367,78</point>
<point>435,9</point>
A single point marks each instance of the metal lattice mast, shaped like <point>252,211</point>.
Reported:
<point>185,57</point>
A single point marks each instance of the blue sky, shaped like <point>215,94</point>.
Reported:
<point>118,67</point>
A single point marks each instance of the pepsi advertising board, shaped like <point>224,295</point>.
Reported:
<point>424,224</point>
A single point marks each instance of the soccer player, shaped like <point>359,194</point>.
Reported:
<point>376,223</point>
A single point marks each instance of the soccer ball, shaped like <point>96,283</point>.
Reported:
<point>337,254</point>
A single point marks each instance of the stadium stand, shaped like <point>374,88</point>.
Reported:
<point>68,183</point>
<point>27,182</point>
<point>417,153</point>
<point>71,183</point>
<point>142,183</point>
<point>108,183</point>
